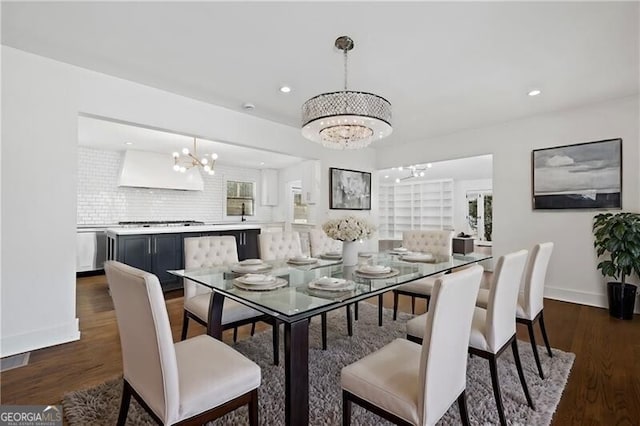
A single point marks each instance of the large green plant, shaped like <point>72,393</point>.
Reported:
<point>618,235</point>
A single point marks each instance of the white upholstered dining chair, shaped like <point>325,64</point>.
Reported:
<point>414,384</point>
<point>494,328</point>
<point>321,243</point>
<point>208,252</point>
<point>189,382</point>
<point>435,242</point>
<point>283,246</point>
<point>531,298</point>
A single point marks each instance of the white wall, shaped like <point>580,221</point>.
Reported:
<point>41,100</point>
<point>460,188</point>
<point>101,201</point>
<point>572,272</point>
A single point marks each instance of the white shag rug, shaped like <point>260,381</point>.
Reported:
<point>99,405</point>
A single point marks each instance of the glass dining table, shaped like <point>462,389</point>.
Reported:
<point>300,294</point>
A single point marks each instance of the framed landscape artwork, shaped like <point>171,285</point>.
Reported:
<point>350,189</point>
<point>581,176</point>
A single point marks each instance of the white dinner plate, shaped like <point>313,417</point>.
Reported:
<point>257,279</point>
<point>392,273</point>
<point>248,262</point>
<point>246,269</point>
<point>331,284</point>
<point>302,260</point>
<point>374,269</point>
<point>277,283</point>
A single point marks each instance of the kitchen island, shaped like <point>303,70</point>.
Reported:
<point>157,249</point>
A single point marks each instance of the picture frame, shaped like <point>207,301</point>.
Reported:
<point>586,175</point>
<point>349,189</point>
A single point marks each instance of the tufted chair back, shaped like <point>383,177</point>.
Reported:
<point>435,242</point>
<point>279,245</point>
<point>207,252</point>
<point>321,243</point>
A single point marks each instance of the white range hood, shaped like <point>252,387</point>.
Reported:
<point>142,169</point>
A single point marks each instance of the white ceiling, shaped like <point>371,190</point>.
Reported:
<point>113,136</point>
<point>443,66</point>
<point>479,167</point>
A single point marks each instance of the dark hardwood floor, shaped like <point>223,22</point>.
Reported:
<point>603,388</point>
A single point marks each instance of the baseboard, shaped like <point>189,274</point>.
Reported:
<point>580,297</point>
<point>38,339</point>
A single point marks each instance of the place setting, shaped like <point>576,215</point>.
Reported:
<point>376,271</point>
<point>248,266</point>
<point>259,282</point>
<point>399,251</point>
<point>302,260</point>
<point>418,257</point>
<point>332,255</point>
<point>331,284</point>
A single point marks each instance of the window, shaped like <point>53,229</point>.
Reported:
<point>300,209</point>
<point>240,198</point>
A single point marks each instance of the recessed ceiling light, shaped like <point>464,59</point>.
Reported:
<point>285,89</point>
<point>248,106</point>
<point>534,92</point>
<point>128,143</point>
<point>429,165</point>
<point>386,176</point>
<point>262,163</point>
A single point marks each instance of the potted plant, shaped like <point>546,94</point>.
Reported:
<point>618,235</point>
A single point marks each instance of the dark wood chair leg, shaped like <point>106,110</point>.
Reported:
<point>395,305</point>
<point>253,408</point>
<point>534,348</point>
<point>185,326</point>
<point>323,318</point>
<point>349,321</point>
<point>464,413</point>
<point>413,305</point>
<point>544,334</point>
<point>276,341</point>
<point>235,334</point>
<point>516,357</point>
<point>380,310</point>
<point>355,311</point>
<point>253,328</point>
<point>496,389</point>
<point>124,403</point>
<point>346,410</point>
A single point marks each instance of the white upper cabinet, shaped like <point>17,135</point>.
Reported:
<point>269,184</point>
<point>310,181</point>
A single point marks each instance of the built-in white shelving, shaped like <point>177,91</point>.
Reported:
<point>415,205</point>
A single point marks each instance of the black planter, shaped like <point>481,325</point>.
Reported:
<point>621,305</point>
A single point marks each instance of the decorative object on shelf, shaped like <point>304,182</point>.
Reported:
<point>346,119</point>
<point>349,229</point>
<point>580,176</point>
<point>190,159</point>
<point>350,189</point>
<point>414,171</point>
<point>618,235</point>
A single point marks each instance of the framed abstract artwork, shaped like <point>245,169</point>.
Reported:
<point>581,176</point>
<point>349,189</point>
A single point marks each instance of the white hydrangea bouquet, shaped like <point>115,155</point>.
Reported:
<point>349,228</point>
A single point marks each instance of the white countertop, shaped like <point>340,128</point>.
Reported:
<point>185,229</point>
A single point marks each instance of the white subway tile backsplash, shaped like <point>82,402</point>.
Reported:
<point>102,201</point>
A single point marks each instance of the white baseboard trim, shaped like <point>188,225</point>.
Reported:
<point>581,297</point>
<point>38,339</point>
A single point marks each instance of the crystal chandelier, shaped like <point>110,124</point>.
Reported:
<point>346,119</point>
<point>414,172</point>
<point>190,159</point>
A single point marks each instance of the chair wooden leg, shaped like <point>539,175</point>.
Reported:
<point>323,318</point>
<point>253,408</point>
<point>516,357</point>
<point>349,321</point>
<point>413,305</point>
<point>534,348</point>
<point>355,311</point>
<point>464,413</point>
<point>395,305</point>
<point>496,389</point>
<point>544,334</point>
<point>380,310</point>
<point>346,410</point>
<point>235,334</point>
<point>276,341</point>
<point>185,326</point>
<point>124,403</point>
<point>253,328</point>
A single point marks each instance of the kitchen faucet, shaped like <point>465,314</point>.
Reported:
<point>243,219</point>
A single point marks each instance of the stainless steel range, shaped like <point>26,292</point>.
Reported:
<point>150,223</point>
